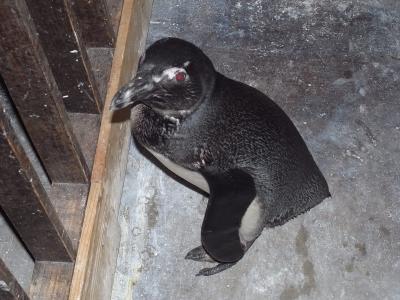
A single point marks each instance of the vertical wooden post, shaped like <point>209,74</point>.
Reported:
<point>31,84</point>
<point>98,247</point>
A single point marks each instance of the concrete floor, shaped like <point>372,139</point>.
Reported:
<point>334,67</point>
<point>15,257</point>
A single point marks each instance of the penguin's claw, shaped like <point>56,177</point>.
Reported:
<point>214,270</point>
<point>199,254</point>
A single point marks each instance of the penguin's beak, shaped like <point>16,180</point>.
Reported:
<point>133,92</point>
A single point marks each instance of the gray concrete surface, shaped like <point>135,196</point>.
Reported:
<point>14,255</point>
<point>333,66</point>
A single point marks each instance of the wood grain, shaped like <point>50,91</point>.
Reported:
<point>9,286</point>
<point>98,248</point>
<point>115,9</point>
<point>59,32</point>
<point>50,281</point>
<point>69,201</point>
<point>30,82</point>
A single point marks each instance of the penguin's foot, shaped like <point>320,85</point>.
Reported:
<point>214,270</point>
<point>199,254</point>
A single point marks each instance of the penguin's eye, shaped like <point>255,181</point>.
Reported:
<point>180,76</point>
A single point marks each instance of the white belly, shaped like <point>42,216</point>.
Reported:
<point>193,177</point>
<point>252,222</point>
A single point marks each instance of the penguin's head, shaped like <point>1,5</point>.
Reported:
<point>173,76</point>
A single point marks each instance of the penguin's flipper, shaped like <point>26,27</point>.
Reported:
<point>231,193</point>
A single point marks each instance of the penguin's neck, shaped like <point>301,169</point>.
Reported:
<point>179,116</point>
<point>171,115</point>
<point>208,84</point>
<point>157,129</point>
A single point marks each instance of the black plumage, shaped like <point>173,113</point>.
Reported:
<point>241,142</point>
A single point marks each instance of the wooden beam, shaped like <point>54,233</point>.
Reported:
<point>23,197</point>
<point>115,9</point>
<point>31,84</point>
<point>94,22</point>
<point>61,39</point>
<point>9,286</point>
<point>51,280</point>
<point>99,243</point>
<point>69,201</point>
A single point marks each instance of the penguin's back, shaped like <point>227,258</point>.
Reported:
<point>251,132</point>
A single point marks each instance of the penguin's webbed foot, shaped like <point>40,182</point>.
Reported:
<point>199,254</point>
<point>214,270</point>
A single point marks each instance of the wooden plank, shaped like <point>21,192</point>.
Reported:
<point>51,281</point>
<point>69,200</point>
<point>98,248</point>
<point>86,128</point>
<point>101,61</point>
<point>23,197</point>
<point>9,286</point>
<point>115,9</point>
<point>30,82</point>
<point>60,36</point>
<point>94,22</point>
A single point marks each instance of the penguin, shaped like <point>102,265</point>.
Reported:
<point>226,138</point>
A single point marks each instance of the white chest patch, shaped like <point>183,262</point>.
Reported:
<point>193,177</point>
